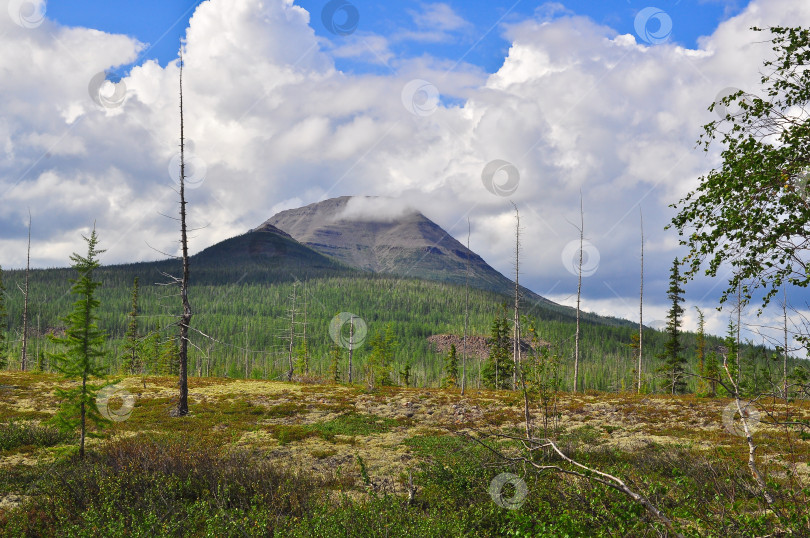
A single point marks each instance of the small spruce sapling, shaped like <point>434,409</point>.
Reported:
<point>82,349</point>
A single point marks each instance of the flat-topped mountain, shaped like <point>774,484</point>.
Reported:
<point>380,235</point>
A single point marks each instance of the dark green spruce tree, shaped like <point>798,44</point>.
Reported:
<point>451,368</point>
<point>82,349</point>
<point>700,353</point>
<point>674,361</point>
<point>132,347</point>
<point>169,358</point>
<point>732,353</point>
<point>380,362</point>
<point>335,356</point>
<point>3,327</point>
<point>497,371</point>
<point>406,374</point>
<point>712,373</point>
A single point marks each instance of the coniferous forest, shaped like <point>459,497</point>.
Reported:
<point>243,326</point>
<point>262,387</point>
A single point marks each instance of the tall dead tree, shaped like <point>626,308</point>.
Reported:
<point>185,320</point>
<point>24,356</point>
<point>739,315</point>
<point>785,354</point>
<point>579,292</point>
<point>305,350</point>
<point>292,335</point>
<point>37,357</point>
<point>640,302</point>
<point>466,313</point>
<point>743,412</point>
<point>516,326</point>
<point>247,353</point>
<point>351,345</point>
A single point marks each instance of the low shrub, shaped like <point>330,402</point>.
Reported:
<point>18,434</point>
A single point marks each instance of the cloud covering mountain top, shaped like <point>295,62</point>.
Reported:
<point>576,107</point>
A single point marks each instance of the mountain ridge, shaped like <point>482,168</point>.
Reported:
<point>410,245</point>
<point>402,242</point>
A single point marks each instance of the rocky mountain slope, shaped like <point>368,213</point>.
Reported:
<point>404,243</point>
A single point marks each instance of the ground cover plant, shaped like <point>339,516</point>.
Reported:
<point>262,458</point>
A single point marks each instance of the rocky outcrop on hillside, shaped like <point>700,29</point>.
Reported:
<point>477,346</point>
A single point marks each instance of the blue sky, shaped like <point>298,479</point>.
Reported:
<point>161,24</point>
<point>603,98</point>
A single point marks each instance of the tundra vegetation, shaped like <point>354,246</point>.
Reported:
<point>561,425</point>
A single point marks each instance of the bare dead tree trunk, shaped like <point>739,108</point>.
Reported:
<point>466,314</point>
<point>785,354</point>
<point>516,327</point>
<point>247,359</point>
<point>739,315</point>
<point>752,462</point>
<point>619,485</point>
<point>526,410</point>
<point>24,357</point>
<point>579,293</point>
<point>411,489</point>
<point>586,473</point>
<point>39,365</point>
<point>640,302</point>
<point>304,336</point>
<point>292,336</point>
<point>351,346</point>
<point>185,321</point>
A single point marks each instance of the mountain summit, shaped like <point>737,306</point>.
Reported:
<point>383,235</point>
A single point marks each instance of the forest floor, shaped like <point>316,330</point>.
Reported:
<point>326,427</point>
<point>369,443</point>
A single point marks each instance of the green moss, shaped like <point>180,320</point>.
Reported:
<point>286,409</point>
<point>348,425</point>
